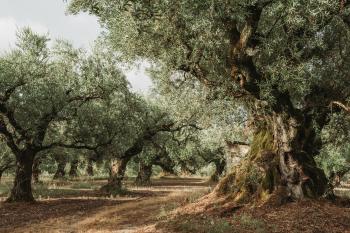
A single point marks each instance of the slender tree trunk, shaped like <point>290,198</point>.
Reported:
<point>144,175</point>
<point>220,167</point>
<point>89,169</point>
<point>73,169</point>
<point>1,172</point>
<point>22,189</point>
<point>36,169</point>
<point>60,173</point>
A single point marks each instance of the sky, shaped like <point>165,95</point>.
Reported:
<point>48,15</point>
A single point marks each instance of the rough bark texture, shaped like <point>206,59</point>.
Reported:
<point>144,175</point>
<point>220,167</point>
<point>273,174</point>
<point>60,173</point>
<point>73,169</point>
<point>22,189</point>
<point>118,167</point>
<point>36,169</point>
<point>1,172</point>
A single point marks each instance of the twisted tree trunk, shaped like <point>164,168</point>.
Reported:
<point>73,169</point>
<point>276,168</point>
<point>22,189</point>
<point>219,169</point>
<point>144,175</point>
<point>60,173</point>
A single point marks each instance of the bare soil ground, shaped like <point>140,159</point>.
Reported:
<point>170,205</point>
<point>89,211</point>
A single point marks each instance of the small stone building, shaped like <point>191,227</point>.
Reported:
<point>235,152</point>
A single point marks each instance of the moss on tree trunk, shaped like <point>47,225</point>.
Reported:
<point>144,175</point>
<point>259,175</point>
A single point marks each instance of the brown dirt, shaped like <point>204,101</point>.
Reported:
<point>97,212</point>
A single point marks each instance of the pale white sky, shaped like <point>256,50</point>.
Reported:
<point>48,15</point>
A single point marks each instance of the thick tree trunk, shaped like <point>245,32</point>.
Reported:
<point>89,169</point>
<point>117,175</point>
<point>144,175</point>
<point>73,169</point>
<point>276,168</point>
<point>36,169</point>
<point>60,173</point>
<point>220,167</point>
<point>22,189</point>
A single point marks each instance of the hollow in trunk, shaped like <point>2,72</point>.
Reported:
<point>219,169</point>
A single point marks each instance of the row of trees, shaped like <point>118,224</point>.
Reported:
<point>285,64</point>
<point>63,102</point>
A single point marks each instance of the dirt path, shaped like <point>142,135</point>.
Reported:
<point>93,212</point>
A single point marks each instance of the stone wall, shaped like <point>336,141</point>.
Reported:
<point>235,152</point>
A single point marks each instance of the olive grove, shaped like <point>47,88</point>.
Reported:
<point>282,64</point>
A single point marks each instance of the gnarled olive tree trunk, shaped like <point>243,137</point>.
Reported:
<point>277,169</point>
<point>22,189</point>
<point>118,167</point>
<point>73,169</point>
<point>144,175</point>
<point>219,169</point>
<point>60,173</point>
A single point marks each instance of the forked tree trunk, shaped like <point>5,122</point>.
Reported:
<point>144,175</point>
<point>219,169</point>
<point>60,173</point>
<point>89,169</point>
<point>36,169</point>
<point>276,163</point>
<point>73,169</point>
<point>22,189</point>
<point>118,167</point>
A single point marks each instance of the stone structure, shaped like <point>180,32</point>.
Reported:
<point>235,152</point>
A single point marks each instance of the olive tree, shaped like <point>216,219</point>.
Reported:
<point>285,61</point>
<point>48,97</point>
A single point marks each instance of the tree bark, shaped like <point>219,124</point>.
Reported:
<point>60,173</point>
<point>118,167</point>
<point>144,175</point>
<point>1,172</point>
<point>73,169</point>
<point>220,167</point>
<point>22,189</point>
<point>36,169</point>
<point>89,169</point>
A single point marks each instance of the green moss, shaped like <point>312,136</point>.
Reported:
<point>242,198</point>
<point>224,186</point>
<point>262,141</point>
<point>268,180</point>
